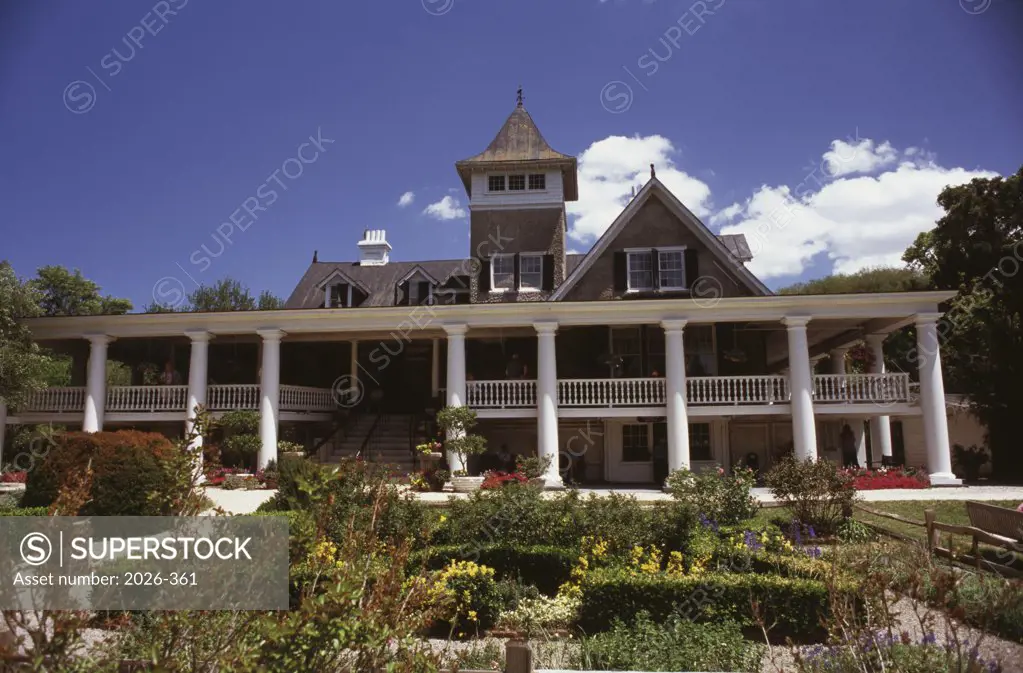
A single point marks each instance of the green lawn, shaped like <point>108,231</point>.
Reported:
<point>946,511</point>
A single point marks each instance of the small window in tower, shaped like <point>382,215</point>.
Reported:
<point>530,272</point>
<point>502,268</point>
<point>537,181</point>
<point>495,183</point>
<point>517,183</point>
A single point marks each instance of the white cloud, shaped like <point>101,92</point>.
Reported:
<point>610,168</point>
<point>406,199</point>
<point>856,221</point>
<point>448,208</point>
<point>845,158</point>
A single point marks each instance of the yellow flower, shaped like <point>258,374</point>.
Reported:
<point>442,518</point>
<point>472,615</point>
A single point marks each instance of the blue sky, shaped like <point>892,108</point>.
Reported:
<point>125,163</point>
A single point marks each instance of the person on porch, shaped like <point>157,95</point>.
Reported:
<point>515,368</point>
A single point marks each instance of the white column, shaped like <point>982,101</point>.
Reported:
<point>675,390</point>
<point>804,429</point>
<point>547,401</point>
<point>435,369</point>
<point>860,438</point>
<point>96,388</point>
<point>269,394</point>
<point>837,357</point>
<point>456,379</point>
<point>932,401</point>
<point>880,426</point>
<point>197,377</point>
<point>353,363</point>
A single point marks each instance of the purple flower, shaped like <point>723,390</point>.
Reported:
<point>929,638</point>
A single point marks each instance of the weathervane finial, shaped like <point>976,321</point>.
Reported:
<point>518,95</point>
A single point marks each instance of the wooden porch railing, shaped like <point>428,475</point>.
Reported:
<point>146,398</point>
<point>500,394</point>
<point>305,398</point>
<point>56,399</point>
<point>611,392</point>
<point>232,396</point>
<point>861,388</point>
<point>737,389</point>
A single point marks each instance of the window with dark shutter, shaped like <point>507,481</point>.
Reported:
<point>548,272</point>
<point>621,272</point>
<point>692,267</point>
<point>483,279</point>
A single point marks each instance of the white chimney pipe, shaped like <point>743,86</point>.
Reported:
<point>374,250</point>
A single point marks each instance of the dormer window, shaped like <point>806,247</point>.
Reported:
<point>339,295</point>
<point>516,183</point>
<point>660,268</point>
<point>495,183</point>
<point>537,181</point>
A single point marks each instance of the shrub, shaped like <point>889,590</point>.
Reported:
<point>533,467</point>
<point>544,567</point>
<point>474,595</point>
<point>513,515</point>
<point>497,479</point>
<point>301,533</point>
<point>128,467</point>
<point>717,495</point>
<point>794,605</point>
<point>292,472</point>
<point>676,645</point>
<point>542,613</point>
<point>817,493</point>
<point>24,511</point>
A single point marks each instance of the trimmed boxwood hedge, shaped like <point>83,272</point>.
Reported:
<point>795,606</point>
<point>544,567</point>
<point>25,511</point>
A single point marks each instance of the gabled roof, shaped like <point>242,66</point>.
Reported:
<point>519,140</point>
<point>721,247</point>
<point>378,282</point>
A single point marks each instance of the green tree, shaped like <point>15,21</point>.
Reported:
<point>23,366</point>
<point>63,292</point>
<point>976,249</point>
<point>268,301</point>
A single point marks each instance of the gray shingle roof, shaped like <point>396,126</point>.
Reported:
<point>520,140</point>
<point>379,282</point>
<point>736,244</point>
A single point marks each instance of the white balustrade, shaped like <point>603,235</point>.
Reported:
<point>231,396</point>
<point>56,399</point>
<point>500,394</point>
<point>146,398</point>
<point>305,398</point>
<point>736,389</point>
<point>611,392</point>
<point>861,388</point>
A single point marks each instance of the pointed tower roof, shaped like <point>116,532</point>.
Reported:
<point>520,142</point>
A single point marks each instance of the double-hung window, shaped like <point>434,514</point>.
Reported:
<point>530,272</point>
<point>537,181</point>
<point>502,270</point>
<point>495,183</point>
<point>641,270</point>
<point>517,183</point>
<point>671,269</point>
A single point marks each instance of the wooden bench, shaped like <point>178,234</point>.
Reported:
<point>1000,521</point>
<point>992,525</point>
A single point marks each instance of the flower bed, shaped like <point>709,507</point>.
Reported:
<point>16,477</point>
<point>236,478</point>
<point>884,478</point>
<point>497,479</point>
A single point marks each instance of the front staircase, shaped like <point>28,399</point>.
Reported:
<point>381,439</point>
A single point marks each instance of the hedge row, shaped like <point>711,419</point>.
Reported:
<point>24,511</point>
<point>794,606</point>
<point>544,567</point>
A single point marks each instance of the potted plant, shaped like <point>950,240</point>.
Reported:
<point>533,468</point>
<point>456,423</point>
<point>430,452</point>
<point>290,449</point>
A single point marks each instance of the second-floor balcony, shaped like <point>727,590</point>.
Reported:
<point>135,399</point>
<point>700,390</point>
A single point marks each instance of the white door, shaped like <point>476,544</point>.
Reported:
<point>630,453</point>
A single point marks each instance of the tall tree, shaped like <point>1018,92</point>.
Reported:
<point>63,292</point>
<point>976,249</point>
<point>268,301</point>
<point>23,367</point>
<point>226,294</point>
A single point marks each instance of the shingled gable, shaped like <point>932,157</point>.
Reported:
<point>519,140</point>
<point>723,251</point>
